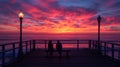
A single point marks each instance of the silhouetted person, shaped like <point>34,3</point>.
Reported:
<point>50,47</point>
<point>59,47</point>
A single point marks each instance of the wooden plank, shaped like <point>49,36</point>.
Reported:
<point>82,58</point>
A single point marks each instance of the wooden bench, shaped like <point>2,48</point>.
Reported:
<point>66,51</point>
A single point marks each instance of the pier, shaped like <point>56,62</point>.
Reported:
<point>34,54</point>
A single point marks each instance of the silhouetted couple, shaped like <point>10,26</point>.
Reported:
<point>58,47</point>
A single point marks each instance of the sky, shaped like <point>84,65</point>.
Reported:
<point>60,16</point>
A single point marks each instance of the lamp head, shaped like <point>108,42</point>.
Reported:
<point>21,15</point>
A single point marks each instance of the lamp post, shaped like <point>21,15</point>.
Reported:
<point>99,20</point>
<point>20,51</point>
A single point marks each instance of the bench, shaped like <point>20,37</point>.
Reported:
<point>66,51</point>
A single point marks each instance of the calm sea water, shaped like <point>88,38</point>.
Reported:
<point>15,37</point>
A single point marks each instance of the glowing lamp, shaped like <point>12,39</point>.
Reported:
<point>21,15</point>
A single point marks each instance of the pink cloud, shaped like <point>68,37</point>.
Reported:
<point>49,15</point>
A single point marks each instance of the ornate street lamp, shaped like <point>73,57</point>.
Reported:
<point>20,51</point>
<point>99,45</point>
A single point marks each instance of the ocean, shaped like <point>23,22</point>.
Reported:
<point>7,38</point>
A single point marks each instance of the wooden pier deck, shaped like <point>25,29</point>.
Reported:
<point>81,58</point>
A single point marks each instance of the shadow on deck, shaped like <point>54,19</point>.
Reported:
<point>81,58</point>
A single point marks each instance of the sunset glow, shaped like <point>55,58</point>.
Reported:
<point>60,16</point>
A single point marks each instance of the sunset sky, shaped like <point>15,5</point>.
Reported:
<point>60,16</point>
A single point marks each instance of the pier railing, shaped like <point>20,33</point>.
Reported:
<point>108,48</point>
<point>9,51</point>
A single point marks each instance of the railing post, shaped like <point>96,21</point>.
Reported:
<point>34,45</point>
<point>30,45</point>
<point>3,55</point>
<point>45,44</point>
<point>105,48</point>
<point>26,46</point>
<point>89,44</point>
<point>93,44</point>
<point>77,44</point>
<point>13,45</point>
<point>119,54</point>
<point>113,51</point>
<point>96,45</point>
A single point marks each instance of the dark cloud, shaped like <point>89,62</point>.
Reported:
<point>112,28</point>
<point>76,25</point>
<point>115,28</point>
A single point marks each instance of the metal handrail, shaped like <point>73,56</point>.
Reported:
<point>32,43</point>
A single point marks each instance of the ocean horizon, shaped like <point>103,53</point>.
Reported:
<point>5,38</point>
